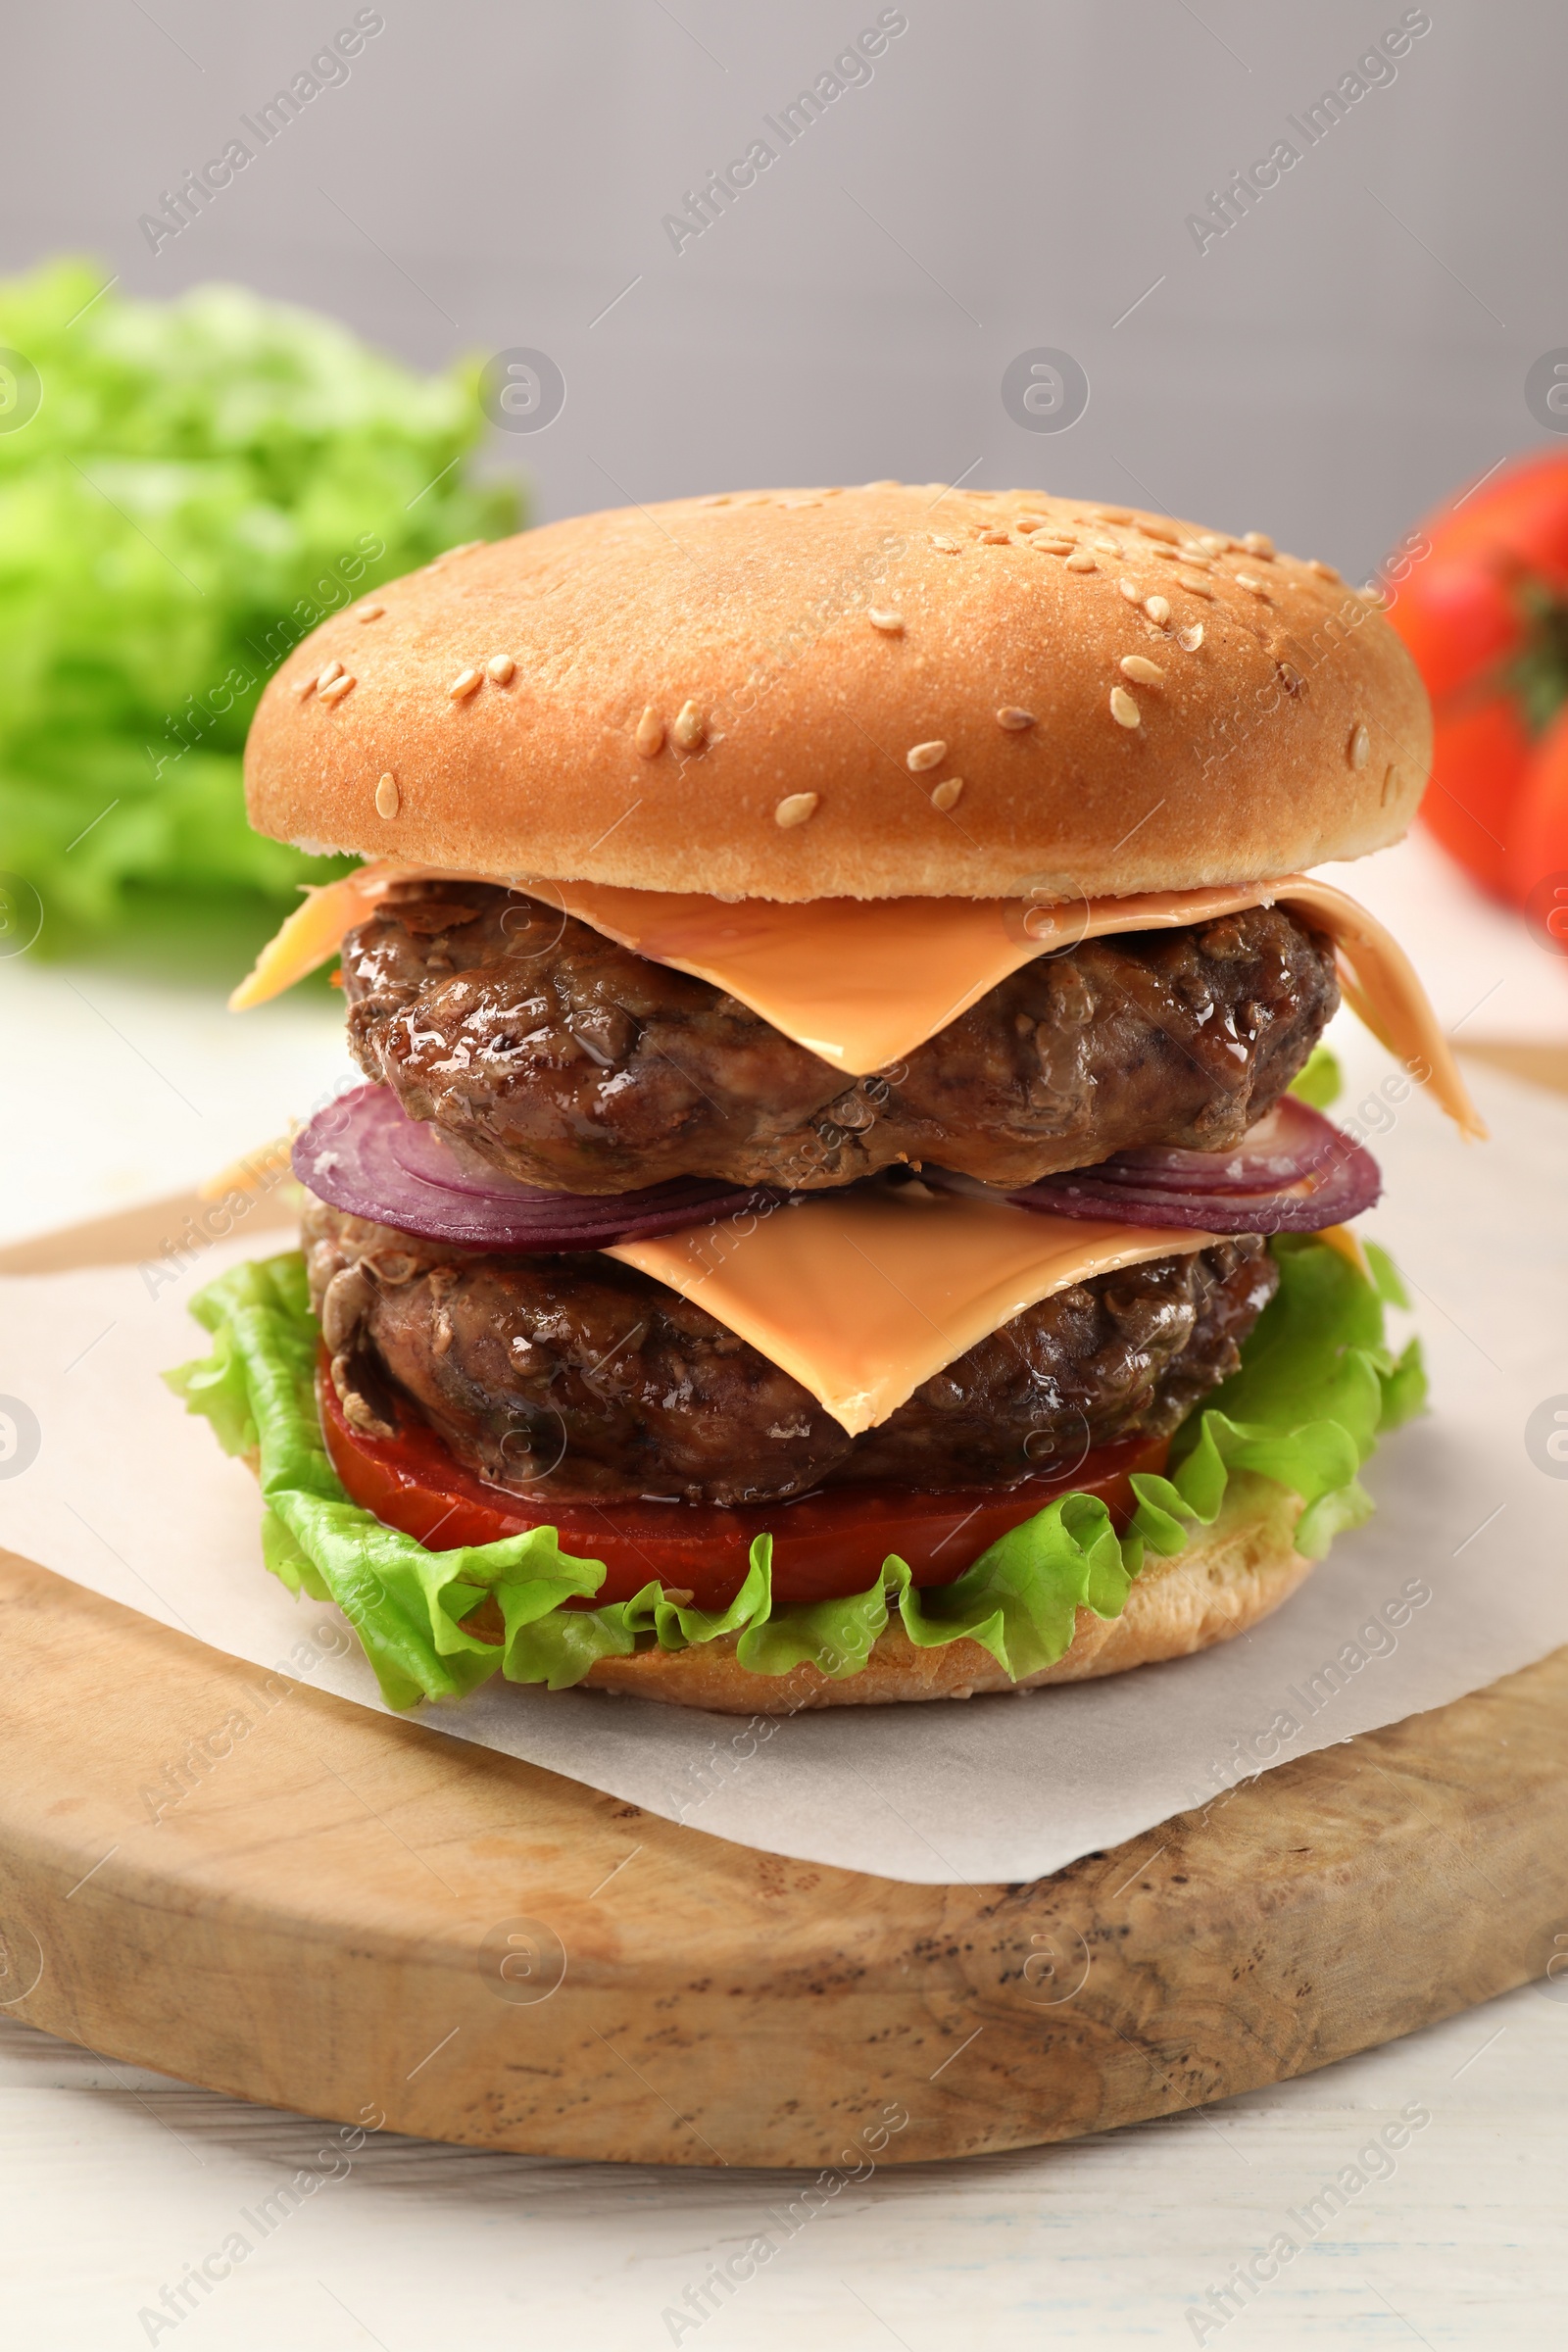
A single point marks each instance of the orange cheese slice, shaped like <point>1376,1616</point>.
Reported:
<point>316,930</point>
<point>860,1297</point>
<point>864,982</point>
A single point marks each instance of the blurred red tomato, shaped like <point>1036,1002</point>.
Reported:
<point>1485,612</point>
<point>1540,861</point>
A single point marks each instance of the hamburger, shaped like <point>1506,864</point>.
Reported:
<point>840,1208</point>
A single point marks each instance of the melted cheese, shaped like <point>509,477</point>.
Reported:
<point>861,1296</point>
<point>1384,989</point>
<point>315,931</point>
<point>862,983</point>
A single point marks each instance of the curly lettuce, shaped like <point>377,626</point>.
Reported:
<point>1317,1386</point>
<point>186,488</point>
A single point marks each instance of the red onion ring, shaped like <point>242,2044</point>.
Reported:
<point>1331,1179</point>
<point>366,1156</point>
<point>1290,1142</point>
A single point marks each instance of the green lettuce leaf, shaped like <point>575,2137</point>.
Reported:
<point>202,481</point>
<point>1320,1081</point>
<point>1316,1388</point>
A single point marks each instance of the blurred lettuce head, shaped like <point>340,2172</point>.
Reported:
<point>186,488</point>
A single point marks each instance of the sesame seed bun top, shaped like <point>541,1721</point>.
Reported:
<point>875,693</point>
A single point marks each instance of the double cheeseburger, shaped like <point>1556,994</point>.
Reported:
<point>826,1219</point>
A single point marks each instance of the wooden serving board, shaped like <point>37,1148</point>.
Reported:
<point>365,1920</point>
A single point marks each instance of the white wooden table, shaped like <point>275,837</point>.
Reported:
<point>114,2183</point>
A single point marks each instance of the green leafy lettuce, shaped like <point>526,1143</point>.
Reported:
<point>1319,1082</point>
<point>1316,1386</point>
<point>186,488</point>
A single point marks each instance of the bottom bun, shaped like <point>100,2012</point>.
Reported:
<point>1229,1578</point>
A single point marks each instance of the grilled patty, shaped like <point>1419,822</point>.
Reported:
<point>568,1061</point>
<point>577,1376</point>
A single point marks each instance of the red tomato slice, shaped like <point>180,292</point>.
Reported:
<point>825,1545</point>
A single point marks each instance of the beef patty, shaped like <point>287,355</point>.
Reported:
<point>577,1376</point>
<point>568,1061</point>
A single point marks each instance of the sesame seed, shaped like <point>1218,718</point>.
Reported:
<point>1324,572</point>
<point>923,756</point>
<point>1244,579</point>
<point>1212,543</point>
<point>334,669</point>
<point>1111,513</point>
<point>1106,547</point>
<point>945,796</point>
<point>1159,609</point>
<point>336,689</point>
<point>1131,591</point>
<point>500,666</point>
<point>305,686</point>
<point>791,503</point>
<point>1372,593</point>
<point>1391,785</point>
<point>1080,563</point>
<point>650,735</point>
<point>795,809</point>
<point>1359,749</point>
<point>948,547</point>
<point>993,538</point>
<point>370,612</point>
<point>1162,553</point>
<point>1032,522</point>
<point>465,683</point>
<point>1014,719</point>
<point>1140,670</point>
<point>1052,547</point>
<point>1258,543</point>
<point>1190,639</point>
<point>717,498</point>
<point>883,617</point>
<point>1195,586</point>
<point>689,728</point>
<point>388,799</point>
<point>1123,709</point>
<point>1153,528</point>
<point>1191,553</point>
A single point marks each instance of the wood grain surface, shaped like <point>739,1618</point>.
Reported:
<point>362,1920</point>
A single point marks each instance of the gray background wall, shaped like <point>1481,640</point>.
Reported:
<point>1012,175</point>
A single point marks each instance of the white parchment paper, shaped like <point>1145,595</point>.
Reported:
<point>1460,1578</point>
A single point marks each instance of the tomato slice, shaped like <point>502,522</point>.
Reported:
<point>826,1545</point>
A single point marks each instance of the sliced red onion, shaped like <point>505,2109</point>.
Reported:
<point>1332,1198</point>
<point>1289,1141</point>
<point>364,1154</point>
<point>1337,1182</point>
